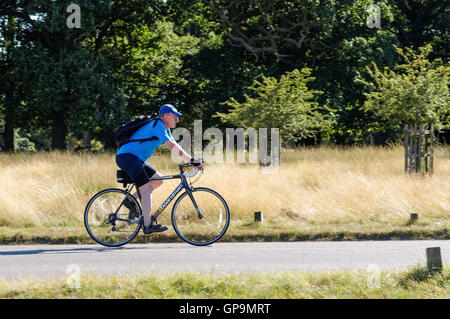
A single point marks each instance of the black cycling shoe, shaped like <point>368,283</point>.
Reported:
<point>132,207</point>
<point>154,228</point>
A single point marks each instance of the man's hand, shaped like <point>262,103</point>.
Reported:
<point>197,162</point>
<point>177,150</point>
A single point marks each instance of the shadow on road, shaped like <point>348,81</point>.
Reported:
<point>63,251</point>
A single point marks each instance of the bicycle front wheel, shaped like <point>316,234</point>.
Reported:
<point>204,228</point>
<point>108,224</point>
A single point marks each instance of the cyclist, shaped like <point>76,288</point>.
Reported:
<point>131,158</point>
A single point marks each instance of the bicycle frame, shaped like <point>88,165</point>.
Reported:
<point>184,184</point>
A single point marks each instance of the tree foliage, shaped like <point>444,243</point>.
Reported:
<point>413,92</point>
<point>286,104</point>
<point>130,56</point>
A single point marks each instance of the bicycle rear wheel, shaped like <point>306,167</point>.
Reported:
<point>108,224</point>
<point>208,228</point>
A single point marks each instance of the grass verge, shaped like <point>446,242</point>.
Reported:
<point>405,284</point>
<point>73,235</point>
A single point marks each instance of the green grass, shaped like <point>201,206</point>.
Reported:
<point>414,283</point>
<point>267,232</point>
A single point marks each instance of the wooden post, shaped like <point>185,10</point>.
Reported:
<point>411,138</point>
<point>259,217</point>
<point>425,159</point>
<point>419,150</point>
<point>406,147</point>
<point>413,218</point>
<point>418,144</point>
<point>415,148</point>
<point>434,261</point>
<point>431,147</point>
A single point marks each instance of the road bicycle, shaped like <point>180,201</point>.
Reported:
<point>200,216</point>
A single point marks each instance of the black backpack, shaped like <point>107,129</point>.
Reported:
<point>124,133</point>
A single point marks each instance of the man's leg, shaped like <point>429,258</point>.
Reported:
<point>146,200</point>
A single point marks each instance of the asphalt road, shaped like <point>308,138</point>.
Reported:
<point>18,262</point>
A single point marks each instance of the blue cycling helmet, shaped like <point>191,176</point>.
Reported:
<point>169,108</point>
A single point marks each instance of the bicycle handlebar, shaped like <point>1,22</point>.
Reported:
<point>193,172</point>
<point>196,164</point>
<point>198,167</point>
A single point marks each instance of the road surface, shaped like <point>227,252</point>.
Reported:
<point>21,262</point>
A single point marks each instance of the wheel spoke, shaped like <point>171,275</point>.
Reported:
<point>201,231</point>
<point>220,218</point>
<point>117,231</point>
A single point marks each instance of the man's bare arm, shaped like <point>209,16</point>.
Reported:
<point>177,150</point>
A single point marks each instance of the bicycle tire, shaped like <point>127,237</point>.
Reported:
<point>111,239</point>
<point>198,236</point>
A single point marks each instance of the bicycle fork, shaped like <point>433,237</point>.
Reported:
<point>189,191</point>
<point>194,202</point>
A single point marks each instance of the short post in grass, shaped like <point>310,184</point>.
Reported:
<point>414,217</point>
<point>259,217</point>
<point>434,261</point>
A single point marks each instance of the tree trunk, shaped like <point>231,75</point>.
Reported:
<point>9,122</point>
<point>59,130</point>
<point>10,101</point>
<point>87,140</point>
<point>109,141</point>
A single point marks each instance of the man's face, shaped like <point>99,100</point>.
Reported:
<point>172,120</point>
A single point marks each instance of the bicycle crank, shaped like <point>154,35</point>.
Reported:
<point>112,220</point>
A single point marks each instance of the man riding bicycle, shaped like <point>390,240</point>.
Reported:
<point>131,158</point>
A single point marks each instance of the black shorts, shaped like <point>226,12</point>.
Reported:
<point>140,172</point>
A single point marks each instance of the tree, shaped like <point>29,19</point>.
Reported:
<point>414,92</point>
<point>9,81</point>
<point>420,21</point>
<point>72,88</point>
<point>274,27</point>
<point>146,61</point>
<point>286,104</point>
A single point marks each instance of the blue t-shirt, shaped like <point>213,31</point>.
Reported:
<point>146,149</point>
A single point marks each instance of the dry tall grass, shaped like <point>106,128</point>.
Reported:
<point>315,189</point>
